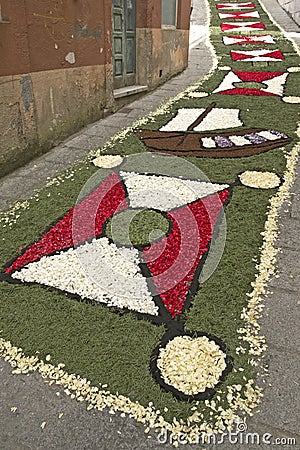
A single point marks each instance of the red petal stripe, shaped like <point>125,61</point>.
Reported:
<point>239,56</point>
<point>241,5</point>
<point>257,76</point>
<point>254,25</point>
<point>173,261</point>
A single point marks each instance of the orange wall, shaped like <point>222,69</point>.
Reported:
<point>53,34</point>
<point>56,71</point>
<point>149,14</point>
<point>40,35</point>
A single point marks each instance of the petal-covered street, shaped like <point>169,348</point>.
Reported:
<point>149,264</point>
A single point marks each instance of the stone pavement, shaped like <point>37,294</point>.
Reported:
<point>79,429</point>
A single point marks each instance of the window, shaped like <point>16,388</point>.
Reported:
<point>169,12</point>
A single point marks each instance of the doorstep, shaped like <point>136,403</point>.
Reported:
<point>129,90</point>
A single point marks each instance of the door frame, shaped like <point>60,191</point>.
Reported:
<point>124,43</point>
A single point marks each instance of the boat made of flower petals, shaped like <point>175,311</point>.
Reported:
<point>229,144</point>
<point>194,132</point>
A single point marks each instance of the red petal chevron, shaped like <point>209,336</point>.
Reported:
<point>240,40</point>
<point>94,210</point>
<point>232,26</point>
<point>247,91</point>
<point>259,77</point>
<point>239,15</point>
<point>173,262</point>
<point>237,5</point>
<point>240,56</point>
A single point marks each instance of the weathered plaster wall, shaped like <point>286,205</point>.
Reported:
<point>183,14</point>
<point>167,54</point>
<point>293,8</point>
<point>13,38</point>
<point>40,109</point>
<point>56,67</point>
<point>148,14</point>
<point>17,125</point>
<point>55,73</point>
<point>53,34</point>
<point>161,52</point>
<point>66,100</point>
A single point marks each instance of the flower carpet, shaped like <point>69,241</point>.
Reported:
<point>136,279</point>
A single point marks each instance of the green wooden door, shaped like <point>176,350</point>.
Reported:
<point>124,43</point>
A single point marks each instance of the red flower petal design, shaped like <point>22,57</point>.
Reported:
<point>90,214</point>
<point>174,260</point>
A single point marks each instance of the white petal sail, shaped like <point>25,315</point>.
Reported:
<point>220,118</point>
<point>96,270</point>
<point>228,82</point>
<point>217,118</point>
<point>149,191</point>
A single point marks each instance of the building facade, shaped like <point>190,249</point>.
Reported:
<point>65,63</point>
